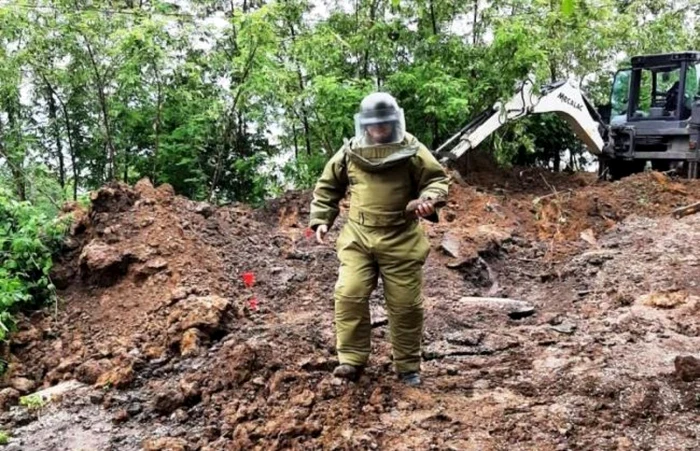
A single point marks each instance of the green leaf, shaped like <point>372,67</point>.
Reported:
<point>567,7</point>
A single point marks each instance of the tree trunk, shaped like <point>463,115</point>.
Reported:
<point>156,127</point>
<point>475,34</point>
<point>57,136</point>
<point>296,143</point>
<point>104,109</point>
<point>71,147</point>
<point>300,78</point>
<point>556,152</point>
<point>433,20</point>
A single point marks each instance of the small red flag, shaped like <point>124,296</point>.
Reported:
<point>248,279</point>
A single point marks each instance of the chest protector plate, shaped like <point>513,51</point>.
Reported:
<point>381,182</point>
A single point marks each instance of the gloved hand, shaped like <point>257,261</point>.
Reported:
<point>424,207</point>
<point>321,232</point>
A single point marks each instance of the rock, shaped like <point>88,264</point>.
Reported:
<point>179,293</point>
<point>180,415</point>
<point>564,328</point>
<point>114,197</point>
<point>22,384</point>
<point>165,444</point>
<point>26,336</point>
<point>120,416</point>
<point>101,263</point>
<point>97,397</point>
<point>377,397</point>
<point>154,352</point>
<point>8,397</point>
<point>151,267</point>
<point>305,399</point>
<point>90,371</point>
<point>204,209</point>
<point>168,400</point>
<point>134,409</point>
<point>59,391</point>
<point>488,232</point>
<point>204,313</point>
<point>465,337</point>
<point>62,274</point>
<point>191,343</point>
<point>20,416</point>
<point>67,364</point>
<point>450,245</point>
<point>118,377</point>
<point>666,300</point>
<point>165,193</point>
<point>515,309</point>
<point>190,389</point>
<point>157,264</point>
<point>145,188</point>
<point>687,368</point>
<point>597,257</point>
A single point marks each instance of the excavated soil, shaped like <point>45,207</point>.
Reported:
<point>185,327</point>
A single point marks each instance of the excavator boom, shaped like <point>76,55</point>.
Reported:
<point>560,98</point>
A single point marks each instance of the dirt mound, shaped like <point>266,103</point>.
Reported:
<point>566,211</point>
<point>203,328</point>
<point>144,278</point>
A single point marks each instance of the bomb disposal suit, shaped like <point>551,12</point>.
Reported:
<point>384,169</point>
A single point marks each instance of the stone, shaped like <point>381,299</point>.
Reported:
<point>305,399</point>
<point>204,209</point>
<point>204,313</point>
<point>564,328</point>
<point>102,263</point>
<point>22,384</point>
<point>88,372</point>
<point>120,416</point>
<point>191,343</point>
<point>450,245</point>
<point>377,397</point>
<point>167,400</point>
<point>8,397</point>
<point>165,444</point>
<point>118,377</point>
<point>26,336</point>
<point>687,368</point>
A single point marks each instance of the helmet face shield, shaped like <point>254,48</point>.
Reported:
<point>380,120</point>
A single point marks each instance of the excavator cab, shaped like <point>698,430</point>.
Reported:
<point>651,109</point>
<point>658,89</point>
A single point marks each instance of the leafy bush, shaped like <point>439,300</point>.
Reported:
<point>28,239</point>
<point>303,172</point>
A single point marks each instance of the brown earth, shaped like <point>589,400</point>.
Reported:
<point>156,323</point>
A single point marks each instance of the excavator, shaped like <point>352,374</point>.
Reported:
<point>652,120</point>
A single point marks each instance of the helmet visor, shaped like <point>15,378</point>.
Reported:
<point>380,126</point>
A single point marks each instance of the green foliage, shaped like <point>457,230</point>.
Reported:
<point>304,171</point>
<point>28,238</point>
<point>92,94</point>
<point>4,438</point>
<point>33,401</point>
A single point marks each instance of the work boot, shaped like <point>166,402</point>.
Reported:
<point>411,378</point>
<point>347,371</point>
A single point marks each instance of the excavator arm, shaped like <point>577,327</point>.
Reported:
<point>560,98</point>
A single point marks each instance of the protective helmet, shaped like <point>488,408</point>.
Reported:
<point>379,108</point>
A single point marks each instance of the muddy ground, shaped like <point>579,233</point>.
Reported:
<point>162,340</point>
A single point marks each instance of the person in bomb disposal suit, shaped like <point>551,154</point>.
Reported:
<point>386,169</point>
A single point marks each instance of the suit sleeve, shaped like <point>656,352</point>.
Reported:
<point>328,192</point>
<point>432,180</point>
